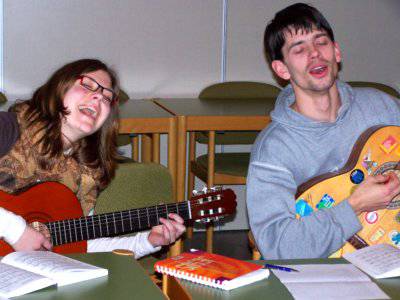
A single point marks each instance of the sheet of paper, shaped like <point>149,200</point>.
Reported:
<point>329,281</point>
<point>336,290</point>
<point>322,273</point>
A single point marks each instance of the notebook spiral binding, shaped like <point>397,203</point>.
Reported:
<point>191,277</point>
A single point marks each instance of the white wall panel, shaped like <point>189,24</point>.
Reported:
<point>159,48</point>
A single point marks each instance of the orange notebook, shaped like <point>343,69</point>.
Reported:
<point>212,269</point>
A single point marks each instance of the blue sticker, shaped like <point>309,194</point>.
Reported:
<point>396,239</point>
<point>325,202</point>
<point>303,208</point>
<point>357,176</point>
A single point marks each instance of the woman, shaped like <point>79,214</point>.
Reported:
<point>67,133</point>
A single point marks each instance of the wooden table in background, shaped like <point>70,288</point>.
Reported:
<point>148,119</point>
<point>212,115</point>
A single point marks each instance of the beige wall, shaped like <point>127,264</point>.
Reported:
<point>173,47</point>
<point>368,32</point>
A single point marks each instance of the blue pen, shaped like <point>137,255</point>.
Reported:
<point>269,266</point>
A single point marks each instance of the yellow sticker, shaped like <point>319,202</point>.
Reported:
<point>377,235</point>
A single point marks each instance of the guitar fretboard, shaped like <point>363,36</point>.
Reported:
<point>115,223</point>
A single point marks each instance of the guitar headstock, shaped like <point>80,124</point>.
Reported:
<point>212,204</point>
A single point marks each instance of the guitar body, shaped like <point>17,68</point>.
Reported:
<point>377,151</point>
<point>45,202</point>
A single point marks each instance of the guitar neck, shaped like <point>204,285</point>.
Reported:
<point>113,224</point>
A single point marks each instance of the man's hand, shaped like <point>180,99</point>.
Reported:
<point>32,239</point>
<point>168,232</point>
<point>375,193</point>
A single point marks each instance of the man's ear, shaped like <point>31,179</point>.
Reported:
<point>280,69</point>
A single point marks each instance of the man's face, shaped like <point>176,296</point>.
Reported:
<point>310,60</point>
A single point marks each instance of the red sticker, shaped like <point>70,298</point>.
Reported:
<point>371,217</point>
<point>388,144</point>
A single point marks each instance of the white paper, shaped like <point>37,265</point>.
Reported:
<point>336,290</point>
<point>62,269</point>
<point>329,281</point>
<point>379,261</point>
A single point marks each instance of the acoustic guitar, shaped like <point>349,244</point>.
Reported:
<point>53,209</point>
<point>377,151</point>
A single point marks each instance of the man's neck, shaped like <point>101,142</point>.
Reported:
<point>321,107</point>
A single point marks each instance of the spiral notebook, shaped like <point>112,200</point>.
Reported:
<point>212,269</point>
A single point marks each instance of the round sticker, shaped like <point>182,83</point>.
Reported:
<point>371,217</point>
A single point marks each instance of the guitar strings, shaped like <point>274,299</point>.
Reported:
<point>116,219</point>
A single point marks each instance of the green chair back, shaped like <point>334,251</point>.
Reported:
<point>239,90</point>
<point>3,98</point>
<point>379,86</point>
<point>122,97</point>
<point>123,139</point>
<point>236,90</point>
<point>137,185</point>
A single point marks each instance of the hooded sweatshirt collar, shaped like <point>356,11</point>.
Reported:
<point>284,114</point>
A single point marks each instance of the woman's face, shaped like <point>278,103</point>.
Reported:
<point>88,105</point>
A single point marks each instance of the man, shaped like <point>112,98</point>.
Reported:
<point>315,123</point>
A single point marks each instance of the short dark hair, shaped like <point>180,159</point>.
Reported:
<point>299,16</point>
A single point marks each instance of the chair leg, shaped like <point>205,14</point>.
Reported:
<point>256,255</point>
<point>210,183</point>
<point>192,156</point>
<point>135,147</point>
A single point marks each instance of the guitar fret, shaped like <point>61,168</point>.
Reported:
<point>54,233</point>
<point>87,229</point>
<point>108,231</point>
<point>76,234</point>
<point>70,234</point>
<point>80,227</point>
<point>65,234</point>
<point>158,219</point>
<point>122,222</point>
<point>101,231</point>
<point>59,232</point>
<point>148,217</point>
<point>94,228</point>
<point>130,220</point>
<point>115,224</point>
<point>140,225</point>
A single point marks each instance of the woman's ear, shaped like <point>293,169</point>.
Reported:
<point>280,69</point>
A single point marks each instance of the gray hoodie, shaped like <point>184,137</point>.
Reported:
<point>293,149</point>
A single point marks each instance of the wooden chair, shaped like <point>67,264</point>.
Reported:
<point>379,86</point>
<point>137,185</point>
<point>126,139</point>
<point>256,255</point>
<point>224,168</point>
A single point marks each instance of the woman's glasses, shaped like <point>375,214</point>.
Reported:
<point>109,96</point>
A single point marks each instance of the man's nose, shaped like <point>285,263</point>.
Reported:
<point>314,51</point>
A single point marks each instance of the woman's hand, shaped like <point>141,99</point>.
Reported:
<point>167,233</point>
<point>32,239</point>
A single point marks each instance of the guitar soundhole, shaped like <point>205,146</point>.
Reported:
<point>390,166</point>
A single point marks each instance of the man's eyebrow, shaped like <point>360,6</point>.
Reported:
<point>318,35</point>
<point>295,44</point>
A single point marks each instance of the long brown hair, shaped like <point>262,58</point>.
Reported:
<point>98,150</point>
